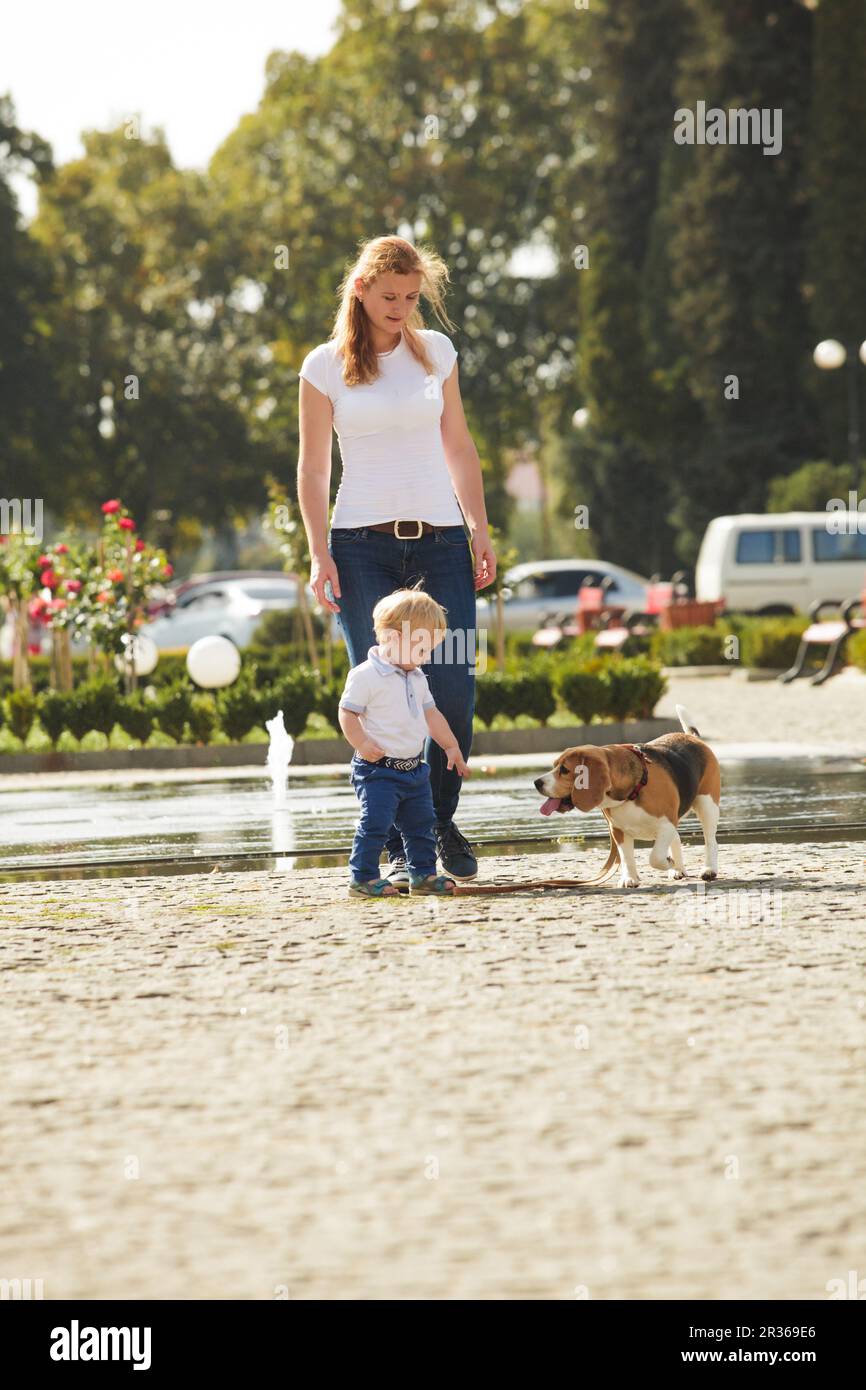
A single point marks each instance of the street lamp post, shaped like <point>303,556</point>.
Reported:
<point>829,355</point>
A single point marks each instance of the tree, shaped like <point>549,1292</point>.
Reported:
<point>150,391</point>
<point>737,255</point>
<point>837,221</point>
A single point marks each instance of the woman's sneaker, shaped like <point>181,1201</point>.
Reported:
<point>455,852</point>
<point>398,874</point>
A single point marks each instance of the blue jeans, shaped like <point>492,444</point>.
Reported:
<point>391,797</point>
<point>372,564</point>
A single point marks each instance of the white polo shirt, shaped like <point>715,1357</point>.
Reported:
<point>390,704</point>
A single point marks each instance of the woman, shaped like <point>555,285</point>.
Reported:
<point>410,504</point>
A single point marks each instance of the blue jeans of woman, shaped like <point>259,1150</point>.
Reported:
<point>371,565</point>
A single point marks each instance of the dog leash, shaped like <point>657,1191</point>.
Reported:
<point>464,890</point>
<point>476,890</point>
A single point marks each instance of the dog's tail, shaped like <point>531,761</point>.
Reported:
<point>686,720</point>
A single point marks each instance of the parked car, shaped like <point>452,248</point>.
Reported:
<point>537,588</point>
<point>226,605</point>
<point>781,562</point>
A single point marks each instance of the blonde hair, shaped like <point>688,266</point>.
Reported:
<point>412,606</point>
<point>352,332</point>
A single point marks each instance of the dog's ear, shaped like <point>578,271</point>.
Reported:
<point>591,779</point>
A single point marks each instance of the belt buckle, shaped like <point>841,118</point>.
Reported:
<point>418,534</point>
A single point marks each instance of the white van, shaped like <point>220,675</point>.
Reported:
<point>781,562</point>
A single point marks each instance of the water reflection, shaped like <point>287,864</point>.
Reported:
<point>171,826</point>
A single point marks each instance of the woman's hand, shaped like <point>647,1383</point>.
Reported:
<point>485,558</point>
<point>322,569</point>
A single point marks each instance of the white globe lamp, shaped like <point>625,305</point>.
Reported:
<point>145,653</point>
<point>829,354</point>
<point>213,662</point>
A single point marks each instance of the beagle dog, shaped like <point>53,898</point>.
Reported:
<point>642,791</point>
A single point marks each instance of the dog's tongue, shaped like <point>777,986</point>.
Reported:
<point>549,806</point>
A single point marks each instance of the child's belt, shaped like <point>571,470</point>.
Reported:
<point>401,764</point>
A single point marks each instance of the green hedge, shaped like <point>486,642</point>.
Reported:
<point>613,687</point>
<point>856,649</point>
<point>771,643</point>
<point>768,643</point>
<point>689,646</point>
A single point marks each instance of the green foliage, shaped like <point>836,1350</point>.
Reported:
<point>856,649</point>
<point>328,701</point>
<point>809,488</point>
<point>633,687</point>
<point>239,709</point>
<point>772,643</point>
<point>582,691</point>
<point>297,695</point>
<point>136,715</point>
<point>530,694</point>
<point>173,708</point>
<point>54,706</point>
<point>202,718</point>
<point>689,646</point>
<point>836,240</point>
<point>99,699</point>
<point>278,628</point>
<point>490,696</point>
<point>21,708</point>
<point>93,706</point>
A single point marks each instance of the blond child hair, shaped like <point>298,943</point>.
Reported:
<point>413,606</point>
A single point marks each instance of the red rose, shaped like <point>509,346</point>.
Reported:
<point>105,598</point>
<point>73,586</point>
<point>56,604</point>
<point>48,579</point>
<point>36,607</point>
<point>112,506</point>
<point>126,523</point>
<point>44,561</point>
<point>139,544</point>
<point>61,549</point>
<point>169,571</point>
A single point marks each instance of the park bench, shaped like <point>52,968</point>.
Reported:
<point>830,634</point>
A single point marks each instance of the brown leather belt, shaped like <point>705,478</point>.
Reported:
<point>408,529</point>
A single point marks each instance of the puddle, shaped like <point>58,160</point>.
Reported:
<point>175,828</point>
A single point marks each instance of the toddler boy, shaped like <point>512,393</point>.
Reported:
<point>386,712</point>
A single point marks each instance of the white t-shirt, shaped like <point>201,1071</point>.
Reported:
<point>390,435</point>
<point>390,704</point>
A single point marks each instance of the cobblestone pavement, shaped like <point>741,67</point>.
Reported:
<point>246,1085</point>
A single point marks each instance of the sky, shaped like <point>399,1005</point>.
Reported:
<point>192,66</point>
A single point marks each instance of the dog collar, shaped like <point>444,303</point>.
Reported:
<point>633,794</point>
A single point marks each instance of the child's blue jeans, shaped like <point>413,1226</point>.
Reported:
<point>391,797</point>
